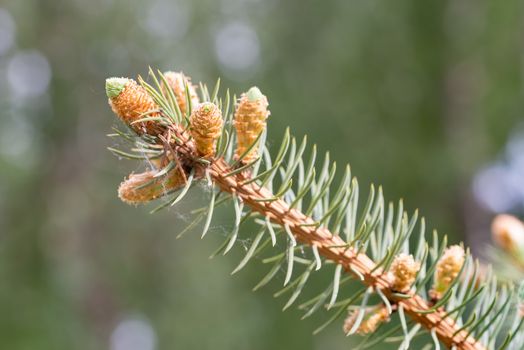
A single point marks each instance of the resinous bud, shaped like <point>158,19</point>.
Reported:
<point>250,121</point>
<point>206,127</point>
<point>131,102</point>
<point>178,81</point>
<point>145,187</point>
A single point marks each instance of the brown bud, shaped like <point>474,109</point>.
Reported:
<point>206,127</point>
<point>177,81</point>
<point>448,268</point>
<point>404,270</point>
<point>144,187</point>
<point>371,324</point>
<point>349,321</point>
<point>373,318</point>
<point>508,232</point>
<point>250,120</point>
<point>131,102</point>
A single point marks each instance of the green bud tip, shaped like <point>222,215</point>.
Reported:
<point>114,86</point>
<point>254,94</point>
<point>207,107</point>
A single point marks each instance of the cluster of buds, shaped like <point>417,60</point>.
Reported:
<point>177,81</point>
<point>250,121</point>
<point>131,102</point>
<point>404,270</point>
<point>508,233</point>
<point>448,269</point>
<point>206,127</point>
<point>373,318</point>
<point>145,187</point>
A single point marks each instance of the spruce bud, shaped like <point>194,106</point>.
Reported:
<point>206,127</point>
<point>250,120</point>
<point>131,102</point>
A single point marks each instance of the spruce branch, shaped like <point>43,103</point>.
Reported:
<point>333,247</point>
<point>441,289</point>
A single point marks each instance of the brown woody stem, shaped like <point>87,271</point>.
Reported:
<point>332,247</point>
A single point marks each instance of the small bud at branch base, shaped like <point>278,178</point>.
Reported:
<point>206,127</point>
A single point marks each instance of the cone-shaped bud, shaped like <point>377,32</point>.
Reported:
<point>250,120</point>
<point>206,127</point>
<point>508,233</point>
<point>404,270</point>
<point>349,321</point>
<point>376,318</point>
<point>177,81</point>
<point>144,187</point>
<point>131,102</point>
<point>373,318</point>
<point>448,268</point>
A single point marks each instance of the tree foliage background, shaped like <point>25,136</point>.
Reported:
<point>424,98</point>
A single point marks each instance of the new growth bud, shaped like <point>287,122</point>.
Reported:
<point>404,270</point>
<point>131,102</point>
<point>206,127</point>
<point>144,187</point>
<point>250,121</point>
<point>448,268</point>
<point>177,81</point>
<point>508,233</point>
<point>372,319</point>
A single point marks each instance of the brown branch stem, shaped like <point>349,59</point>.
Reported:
<point>332,247</point>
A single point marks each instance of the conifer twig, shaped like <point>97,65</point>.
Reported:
<point>197,145</point>
<point>332,247</point>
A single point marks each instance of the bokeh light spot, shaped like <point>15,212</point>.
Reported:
<point>237,47</point>
<point>28,74</point>
<point>493,189</point>
<point>133,334</point>
<point>167,19</point>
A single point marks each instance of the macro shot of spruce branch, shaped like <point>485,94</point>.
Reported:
<point>411,283</point>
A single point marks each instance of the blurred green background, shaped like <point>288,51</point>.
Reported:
<point>424,97</point>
